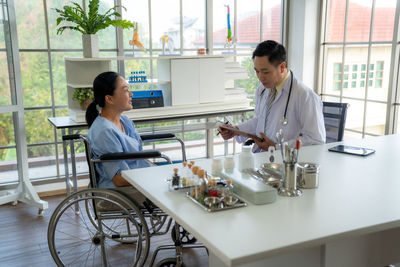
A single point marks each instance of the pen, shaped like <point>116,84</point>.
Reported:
<point>226,123</point>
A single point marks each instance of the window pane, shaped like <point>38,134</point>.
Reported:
<point>338,67</point>
<point>59,80</point>
<point>35,79</point>
<point>193,24</point>
<point>220,21</point>
<point>384,20</point>
<point>30,24</point>
<point>376,118</point>
<point>334,55</point>
<point>134,12</point>
<point>107,37</point>
<point>371,66</point>
<point>345,85</point>
<point>41,160</point>
<point>248,25</point>
<point>363,75</point>
<point>379,74</point>
<point>355,56</point>
<point>355,114</point>
<point>363,67</point>
<point>5,90</point>
<point>362,84</point>
<point>68,39</point>
<point>346,68</point>
<point>371,75</point>
<point>337,77</point>
<point>358,21</point>
<point>379,65</point>
<point>272,20</point>
<point>165,20</point>
<point>336,18</point>
<point>378,84</point>
<point>8,156</point>
<point>38,129</point>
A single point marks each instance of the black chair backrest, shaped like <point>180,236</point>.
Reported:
<point>335,120</point>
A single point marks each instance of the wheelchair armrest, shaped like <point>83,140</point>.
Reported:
<point>131,156</point>
<point>156,136</point>
<point>71,137</point>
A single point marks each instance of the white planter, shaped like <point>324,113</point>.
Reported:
<point>90,43</point>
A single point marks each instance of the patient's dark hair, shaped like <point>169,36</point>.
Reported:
<point>104,84</point>
<point>276,52</point>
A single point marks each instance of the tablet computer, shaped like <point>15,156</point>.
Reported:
<point>359,151</point>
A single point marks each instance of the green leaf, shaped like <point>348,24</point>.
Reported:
<point>76,19</point>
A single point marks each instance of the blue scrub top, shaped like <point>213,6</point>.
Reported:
<point>105,137</point>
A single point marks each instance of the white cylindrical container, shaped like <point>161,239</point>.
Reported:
<point>246,160</point>
<point>216,166</point>
<point>229,164</point>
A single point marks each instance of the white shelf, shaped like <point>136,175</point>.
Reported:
<point>149,81</point>
<point>141,57</point>
<point>80,85</point>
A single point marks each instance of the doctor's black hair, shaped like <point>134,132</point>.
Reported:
<point>104,84</point>
<point>275,51</point>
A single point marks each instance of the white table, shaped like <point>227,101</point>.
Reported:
<point>352,219</point>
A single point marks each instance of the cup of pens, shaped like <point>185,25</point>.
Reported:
<point>289,156</point>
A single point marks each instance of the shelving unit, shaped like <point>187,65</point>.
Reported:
<point>184,80</point>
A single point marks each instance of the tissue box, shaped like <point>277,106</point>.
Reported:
<point>244,185</point>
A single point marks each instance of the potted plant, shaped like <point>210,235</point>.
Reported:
<point>84,96</point>
<point>89,24</point>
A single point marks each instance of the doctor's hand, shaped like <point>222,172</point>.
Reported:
<point>265,143</point>
<point>225,133</point>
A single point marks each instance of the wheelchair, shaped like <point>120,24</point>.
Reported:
<point>107,227</point>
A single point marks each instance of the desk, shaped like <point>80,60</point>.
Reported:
<point>151,115</point>
<point>352,219</point>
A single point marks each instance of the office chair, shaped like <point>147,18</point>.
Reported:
<point>335,119</point>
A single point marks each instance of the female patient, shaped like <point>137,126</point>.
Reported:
<point>110,132</point>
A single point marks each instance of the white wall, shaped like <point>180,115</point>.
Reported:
<point>303,39</point>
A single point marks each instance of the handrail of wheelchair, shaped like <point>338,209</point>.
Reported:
<point>163,137</point>
<point>145,154</point>
<point>145,138</point>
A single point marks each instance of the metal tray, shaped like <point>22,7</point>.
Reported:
<point>221,206</point>
<point>177,187</point>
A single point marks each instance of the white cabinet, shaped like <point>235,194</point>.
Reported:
<point>185,80</point>
<point>195,80</point>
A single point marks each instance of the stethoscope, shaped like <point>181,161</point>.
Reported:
<point>284,120</point>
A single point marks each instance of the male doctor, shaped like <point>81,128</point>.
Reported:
<point>282,102</point>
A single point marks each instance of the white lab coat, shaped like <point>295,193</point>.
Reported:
<point>304,115</point>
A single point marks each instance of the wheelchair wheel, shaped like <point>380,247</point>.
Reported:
<point>184,236</point>
<point>74,240</point>
<point>113,228</point>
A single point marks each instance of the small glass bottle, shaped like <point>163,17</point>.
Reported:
<point>203,182</point>
<point>229,187</point>
<point>176,178</point>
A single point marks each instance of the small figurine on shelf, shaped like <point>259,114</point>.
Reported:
<point>135,40</point>
<point>138,77</point>
<point>230,41</point>
<point>167,41</point>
